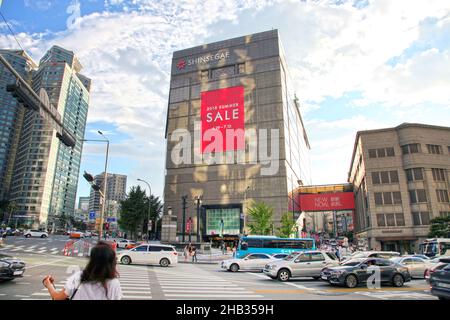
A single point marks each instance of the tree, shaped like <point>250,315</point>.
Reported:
<point>440,227</point>
<point>155,211</point>
<point>133,211</point>
<point>287,226</point>
<point>261,219</point>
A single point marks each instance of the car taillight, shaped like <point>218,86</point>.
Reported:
<point>175,253</point>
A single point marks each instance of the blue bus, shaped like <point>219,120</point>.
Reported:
<point>272,245</point>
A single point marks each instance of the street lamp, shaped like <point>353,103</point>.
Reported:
<point>198,200</point>
<point>149,209</point>
<point>105,180</point>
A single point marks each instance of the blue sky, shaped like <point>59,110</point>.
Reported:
<point>355,65</point>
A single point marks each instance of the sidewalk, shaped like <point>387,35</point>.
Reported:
<point>214,258</point>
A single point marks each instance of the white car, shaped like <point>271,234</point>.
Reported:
<point>123,243</point>
<point>249,262</point>
<point>163,255</point>
<point>35,233</point>
<point>416,266</point>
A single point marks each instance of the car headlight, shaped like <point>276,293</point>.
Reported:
<point>4,264</point>
<point>337,272</point>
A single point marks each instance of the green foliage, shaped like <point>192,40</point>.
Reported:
<point>261,219</point>
<point>440,227</point>
<point>134,211</point>
<point>287,226</point>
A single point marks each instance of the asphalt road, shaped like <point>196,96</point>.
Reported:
<point>186,281</point>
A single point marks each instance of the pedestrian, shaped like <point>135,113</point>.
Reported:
<point>98,281</point>
<point>186,252</point>
<point>194,254</point>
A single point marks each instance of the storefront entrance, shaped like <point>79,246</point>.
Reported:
<point>402,246</point>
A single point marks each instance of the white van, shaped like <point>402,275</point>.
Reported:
<point>163,255</point>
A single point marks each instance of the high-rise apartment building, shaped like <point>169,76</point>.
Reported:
<point>241,87</point>
<point>116,191</point>
<point>401,179</point>
<point>45,174</point>
<point>11,115</point>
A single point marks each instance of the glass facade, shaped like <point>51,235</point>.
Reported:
<point>230,217</point>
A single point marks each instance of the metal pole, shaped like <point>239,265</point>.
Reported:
<point>198,219</point>
<point>105,181</point>
<point>183,227</point>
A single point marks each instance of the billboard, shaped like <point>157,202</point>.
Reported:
<point>327,201</point>
<point>222,114</point>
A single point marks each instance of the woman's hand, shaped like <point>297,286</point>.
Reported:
<point>48,281</point>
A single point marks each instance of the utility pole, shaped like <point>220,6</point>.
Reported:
<point>184,217</point>
<point>198,199</point>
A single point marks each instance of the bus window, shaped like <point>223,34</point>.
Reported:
<point>244,245</point>
<point>254,243</point>
<point>270,243</point>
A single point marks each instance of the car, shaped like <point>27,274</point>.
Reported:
<point>421,256</point>
<point>301,264</point>
<point>374,254</point>
<point>440,283</point>
<point>88,234</point>
<point>164,255</point>
<point>416,266</point>
<point>356,272</point>
<point>76,234</point>
<point>280,255</point>
<point>35,233</point>
<point>10,268</point>
<point>440,264</point>
<point>248,262</point>
<point>126,244</point>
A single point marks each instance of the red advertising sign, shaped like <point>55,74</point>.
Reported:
<point>327,201</point>
<point>222,116</point>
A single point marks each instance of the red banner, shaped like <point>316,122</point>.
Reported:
<point>222,112</point>
<point>327,201</point>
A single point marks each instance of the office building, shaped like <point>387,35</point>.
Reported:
<point>401,181</point>
<point>241,84</point>
<point>116,191</point>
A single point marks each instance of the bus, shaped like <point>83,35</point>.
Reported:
<point>272,245</point>
<point>435,247</point>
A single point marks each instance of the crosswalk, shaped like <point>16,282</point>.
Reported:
<point>399,295</point>
<point>32,249</point>
<point>135,283</point>
<point>199,285</point>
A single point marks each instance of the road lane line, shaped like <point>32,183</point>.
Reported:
<point>203,288</point>
<point>45,264</point>
<point>215,296</point>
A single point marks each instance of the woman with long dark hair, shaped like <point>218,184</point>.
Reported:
<point>98,281</point>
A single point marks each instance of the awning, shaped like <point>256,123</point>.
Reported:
<point>396,238</point>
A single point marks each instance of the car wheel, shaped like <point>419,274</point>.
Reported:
<point>351,281</point>
<point>164,262</point>
<point>234,267</point>
<point>398,280</point>
<point>125,260</point>
<point>28,236</point>
<point>284,275</point>
<point>43,236</point>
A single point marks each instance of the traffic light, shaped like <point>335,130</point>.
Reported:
<point>88,177</point>
<point>67,138</point>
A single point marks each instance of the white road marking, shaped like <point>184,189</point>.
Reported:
<point>215,296</point>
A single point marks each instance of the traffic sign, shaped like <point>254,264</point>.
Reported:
<point>111,219</point>
<point>92,215</point>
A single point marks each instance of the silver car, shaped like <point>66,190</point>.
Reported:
<point>416,266</point>
<point>301,264</point>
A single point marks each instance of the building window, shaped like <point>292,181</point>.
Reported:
<point>444,214</point>
<point>442,195</point>
<point>204,75</point>
<point>384,177</point>
<point>381,152</point>
<point>380,220</point>
<point>414,174</point>
<point>410,148</point>
<point>390,219</point>
<point>241,68</point>
<point>421,218</point>
<point>417,196</point>
<point>387,198</point>
<point>434,149</point>
<point>438,174</point>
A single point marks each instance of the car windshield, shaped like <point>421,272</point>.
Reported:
<point>291,256</point>
<point>352,262</point>
<point>359,255</point>
<point>396,260</point>
<point>245,256</point>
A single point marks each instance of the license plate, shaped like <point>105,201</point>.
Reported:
<point>443,285</point>
<point>17,273</point>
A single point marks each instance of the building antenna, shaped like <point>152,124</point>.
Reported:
<point>10,30</point>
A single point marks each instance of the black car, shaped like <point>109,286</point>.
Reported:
<point>10,268</point>
<point>440,283</point>
<point>355,272</point>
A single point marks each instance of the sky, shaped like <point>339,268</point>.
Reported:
<point>355,65</point>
